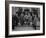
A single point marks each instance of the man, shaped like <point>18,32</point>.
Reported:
<point>15,21</point>
<point>26,16</point>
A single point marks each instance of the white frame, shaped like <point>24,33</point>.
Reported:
<point>25,32</point>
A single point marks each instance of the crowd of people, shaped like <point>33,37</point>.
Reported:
<point>26,18</point>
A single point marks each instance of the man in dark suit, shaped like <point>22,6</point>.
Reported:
<point>15,21</point>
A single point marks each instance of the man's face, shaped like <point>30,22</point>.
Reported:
<point>22,14</point>
<point>26,12</point>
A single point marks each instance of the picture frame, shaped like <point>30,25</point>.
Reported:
<point>13,6</point>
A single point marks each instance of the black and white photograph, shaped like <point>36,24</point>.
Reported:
<point>25,18</point>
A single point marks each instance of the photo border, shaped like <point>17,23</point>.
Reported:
<point>7,18</point>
